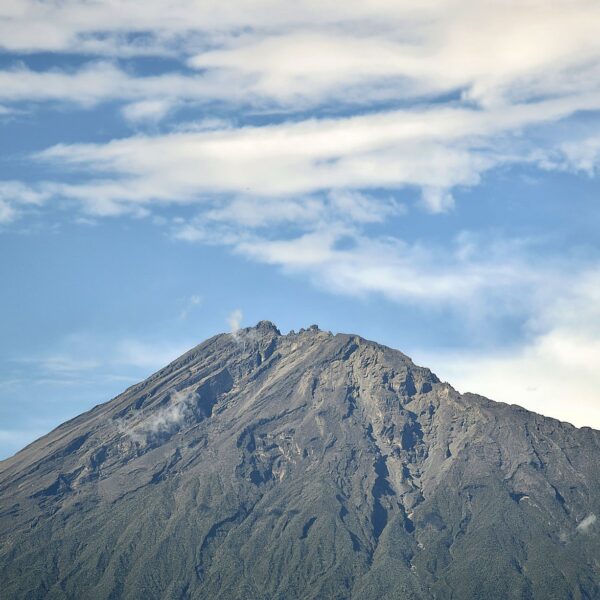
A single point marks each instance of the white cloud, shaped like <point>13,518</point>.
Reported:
<point>356,207</point>
<point>311,176</point>
<point>555,372</point>
<point>312,52</point>
<point>64,364</point>
<point>191,303</point>
<point>16,196</point>
<point>344,261</point>
<point>252,212</point>
<point>94,82</point>
<point>146,355</point>
<point>437,200</point>
<point>582,155</point>
<point>435,149</point>
<point>506,70</point>
<point>7,212</point>
<point>81,355</point>
<point>493,55</point>
<point>22,194</point>
<point>304,211</point>
<point>147,110</point>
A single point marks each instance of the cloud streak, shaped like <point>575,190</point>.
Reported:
<point>434,149</point>
<point>472,83</point>
<point>17,198</point>
<point>81,355</point>
<point>192,303</point>
<point>263,53</point>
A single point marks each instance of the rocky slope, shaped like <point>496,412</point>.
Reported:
<point>304,466</point>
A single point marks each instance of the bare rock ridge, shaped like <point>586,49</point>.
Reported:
<point>302,466</point>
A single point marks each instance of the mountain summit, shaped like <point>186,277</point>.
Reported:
<point>303,466</point>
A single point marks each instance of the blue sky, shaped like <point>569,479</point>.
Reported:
<point>424,176</point>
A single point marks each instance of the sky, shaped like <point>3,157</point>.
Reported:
<point>422,174</point>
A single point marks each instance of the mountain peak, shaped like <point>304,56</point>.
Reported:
<point>267,327</point>
<point>357,474</point>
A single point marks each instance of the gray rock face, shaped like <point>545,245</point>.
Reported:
<point>304,466</point>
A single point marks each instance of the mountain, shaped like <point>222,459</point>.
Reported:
<point>303,466</point>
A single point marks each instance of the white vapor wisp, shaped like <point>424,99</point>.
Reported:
<point>586,523</point>
<point>165,420</point>
<point>234,320</point>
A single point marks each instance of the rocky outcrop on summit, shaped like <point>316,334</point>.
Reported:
<point>302,466</point>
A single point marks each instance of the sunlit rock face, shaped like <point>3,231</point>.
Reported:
<point>308,465</point>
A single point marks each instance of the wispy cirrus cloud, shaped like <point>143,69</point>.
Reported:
<point>190,304</point>
<point>82,355</point>
<point>435,149</point>
<point>7,212</point>
<point>582,155</point>
<point>305,196</point>
<point>473,79</point>
<point>347,262</point>
<point>16,197</point>
<point>102,81</point>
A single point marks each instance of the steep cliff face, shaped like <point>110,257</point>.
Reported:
<point>302,466</point>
